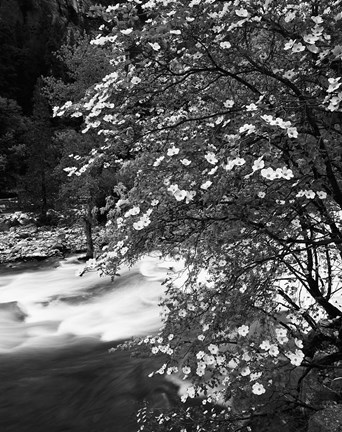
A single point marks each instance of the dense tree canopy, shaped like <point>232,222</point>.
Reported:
<point>225,118</point>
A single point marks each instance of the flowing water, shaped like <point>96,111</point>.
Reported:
<point>57,373</point>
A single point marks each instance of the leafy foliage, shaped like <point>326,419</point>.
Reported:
<point>13,129</point>
<point>228,114</point>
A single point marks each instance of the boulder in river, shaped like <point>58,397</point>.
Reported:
<point>11,311</point>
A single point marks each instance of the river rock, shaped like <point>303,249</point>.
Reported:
<point>4,226</point>
<point>327,420</point>
<point>25,235</point>
<point>30,242</point>
<point>11,311</point>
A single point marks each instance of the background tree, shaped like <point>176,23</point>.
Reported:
<point>231,112</point>
<point>81,65</point>
<point>38,185</point>
<point>82,196</point>
<point>13,129</point>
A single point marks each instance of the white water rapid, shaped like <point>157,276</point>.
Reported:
<point>61,306</point>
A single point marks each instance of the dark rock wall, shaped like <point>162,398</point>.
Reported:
<point>30,31</point>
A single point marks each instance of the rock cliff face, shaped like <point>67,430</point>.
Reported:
<point>30,31</point>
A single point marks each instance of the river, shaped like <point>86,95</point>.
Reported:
<point>57,371</point>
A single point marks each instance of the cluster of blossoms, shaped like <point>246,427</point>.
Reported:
<point>296,357</point>
<point>286,125</point>
<point>209,360</point>
<point>141,223</point>
<point>211,158</point>
<point>132,212</point>
<point>172,151</point>
<point>212,357</point>
<point>185,162</point>
<point>248,128</point>
<point>71,171</point>
<point>334,97</point>
<point>243,330</point>
<point>158,161</point>
<point>228,103</point>
<point>231,163</point>
<point>258,389</point>
<point>281,335</point>
<point>272,349</point>
<point>60,111</point>
<point>310,194</point>
<point>144,221</point>
<point>103,40</point>
<point>206,185</point>
<point>278,173</point>
<point>181,194</point>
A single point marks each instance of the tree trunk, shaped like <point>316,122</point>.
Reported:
<point>88,225</point>
<point>43,209</point>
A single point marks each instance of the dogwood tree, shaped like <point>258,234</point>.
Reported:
<point>230,112</point>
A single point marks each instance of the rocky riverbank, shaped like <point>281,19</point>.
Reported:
<point>26,241</point>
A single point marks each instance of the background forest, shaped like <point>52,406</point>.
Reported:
<point>46,59</point>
